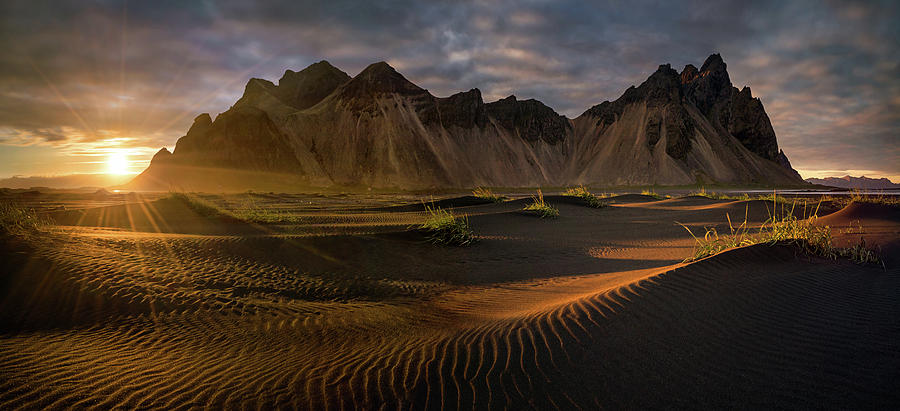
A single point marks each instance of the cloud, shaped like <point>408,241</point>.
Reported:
<point>88,72</point>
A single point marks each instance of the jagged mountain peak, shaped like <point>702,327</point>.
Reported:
<point>379,78</point>
<point>258,84</point>
<point>735,111</point>
<point>161,156</point>
<point>305,88</point>
<point>689,74</point>
<point>378,68</point>
<point>530,119</point>
<point>318,71</point>
<point>662,87</point>
<point>201,124</point>
<point>714,63</point>
<point>380,129</point>
<point>203,118</point>
<point>319,66</point>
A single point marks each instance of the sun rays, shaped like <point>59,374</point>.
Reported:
<point>117,163</point>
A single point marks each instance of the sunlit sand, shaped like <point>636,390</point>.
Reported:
<point>140,301</point>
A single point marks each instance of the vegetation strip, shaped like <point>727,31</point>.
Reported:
<point>445,228</point>
<point>582,192</point>
<point>804,232</point>
<point>541,208</point>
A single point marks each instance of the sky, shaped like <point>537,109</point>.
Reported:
<point>85,81</point>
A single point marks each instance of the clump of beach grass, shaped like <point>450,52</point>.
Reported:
<point>719,196</point>
<point>16,220</point>
<point>446,228</point>
<point>814,239</point>
<point>486,194</point>
<point>858,197</point>
<point>539,207</point>
<point>589,198</point>
<point>653,193</point>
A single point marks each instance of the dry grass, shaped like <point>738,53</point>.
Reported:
<point>841,200</point>
<point>719,196</point>
<point>445,228</point>
<point>16,220</point>
<point>487,194</point>
<point>857,197</point>
<point>539,207</point>
<point>654,194</point>
<point>589,198</point>
<point>812,238</point>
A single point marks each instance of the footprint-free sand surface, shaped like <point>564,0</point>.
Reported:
<point>149,305</point>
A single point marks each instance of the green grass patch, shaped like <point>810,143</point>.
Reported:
<point>719,196</point>
<point>486,194</point>
<point>840,200</point>
<point>788,229</point>
<point>857,197</point>
<point>653,193</point>
<point>445,228</point>
<point>539,207</point>
<point>589,198</point>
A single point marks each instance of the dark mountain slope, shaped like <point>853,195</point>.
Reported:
<point>378,129</point>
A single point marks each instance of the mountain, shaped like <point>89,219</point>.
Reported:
<point>863,183</point>
<point>320,128</point>
<point>65,181</point>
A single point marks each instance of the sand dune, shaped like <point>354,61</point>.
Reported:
<point>591,310</point>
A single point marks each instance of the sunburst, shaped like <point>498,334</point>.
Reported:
<point>117,163</point>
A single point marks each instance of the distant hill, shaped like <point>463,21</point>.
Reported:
<point>849,182</point>
<point>321,128</point>
<point>66,181</point>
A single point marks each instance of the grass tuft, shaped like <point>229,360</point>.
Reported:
<point>652,193</point>
<point>445,228</point>
<point>583,193</point>
<point>486,194</point>
<point>804,232</point>
<point>16,220</point>
<point>541,208</point>
<point>719,196</point>
<point>858,197</point>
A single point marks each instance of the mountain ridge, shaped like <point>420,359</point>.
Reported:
<point>379,129</point>
<point>850,182</point>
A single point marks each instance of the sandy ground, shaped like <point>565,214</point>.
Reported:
<point>146,304</point>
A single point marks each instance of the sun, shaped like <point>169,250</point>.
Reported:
<point>117,163</point>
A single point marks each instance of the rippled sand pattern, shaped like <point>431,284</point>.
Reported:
<point>593,310</point>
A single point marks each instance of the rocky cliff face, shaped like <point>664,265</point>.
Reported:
<point>324,128</point>
<point>735,111</point>
<point>529,119</point>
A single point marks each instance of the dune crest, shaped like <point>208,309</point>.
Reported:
<point>148,305</point>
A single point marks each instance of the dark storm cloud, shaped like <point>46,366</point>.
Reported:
<point>76,72</point>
